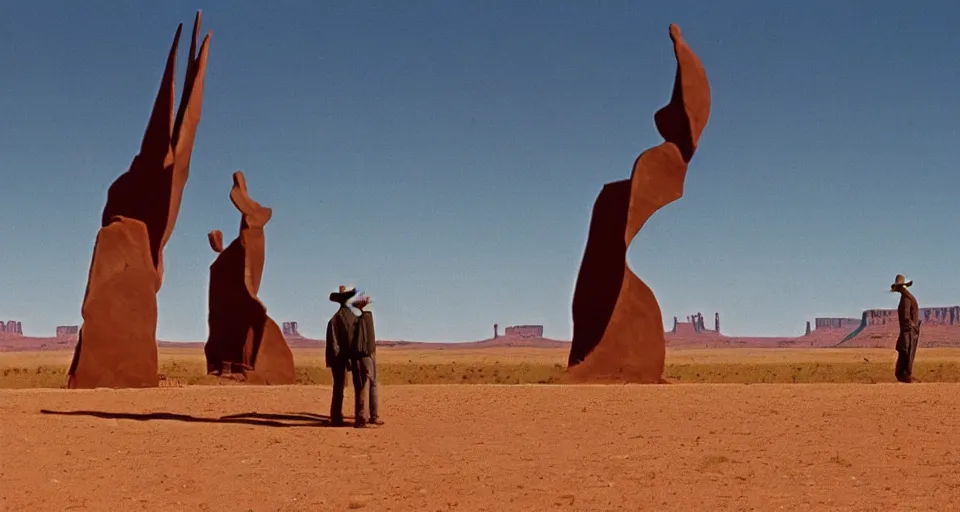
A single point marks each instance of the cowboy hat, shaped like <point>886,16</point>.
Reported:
<point>343,295</point>
<point>900,281</point>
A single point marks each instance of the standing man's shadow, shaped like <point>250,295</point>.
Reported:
<point>300,419</point>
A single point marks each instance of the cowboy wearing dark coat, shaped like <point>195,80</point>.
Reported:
<point>365,368</point>
<point>908,314</point>
<point>340,345</point>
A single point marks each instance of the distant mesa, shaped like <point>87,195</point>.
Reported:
<point>836,323</point>
<point>946,316</point>
<point>67,330</point>
<point>877,328</point>
<point>291,330</point>
<point>939,316</point>
<point>12,328</point>
<point>695,325</point>
<point>523,331</point>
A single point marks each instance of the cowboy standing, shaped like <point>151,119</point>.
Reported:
<point>909,315</point>
<point>365,368</point>
<point>340,331</point>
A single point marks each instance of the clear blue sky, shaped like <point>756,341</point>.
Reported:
<point>445,155</point>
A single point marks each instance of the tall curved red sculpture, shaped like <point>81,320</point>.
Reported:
<point>243,339</point>
<point>117,345</point>
<point>617,324</point>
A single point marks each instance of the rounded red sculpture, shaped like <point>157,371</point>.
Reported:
<point>243,339</point>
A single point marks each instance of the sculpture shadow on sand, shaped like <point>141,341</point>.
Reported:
<point>282,420</point>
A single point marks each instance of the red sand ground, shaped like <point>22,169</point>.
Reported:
<point>488,448</point>
<point>30,344</point>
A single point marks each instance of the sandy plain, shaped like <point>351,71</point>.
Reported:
<point>486,448</point>
<point>493,447</point>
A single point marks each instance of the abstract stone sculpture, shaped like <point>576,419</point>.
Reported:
<point>117,344</point>
<point>243,339</point>
<point>617,325</point>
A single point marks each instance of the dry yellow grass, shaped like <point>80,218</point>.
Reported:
<point>532,366</point>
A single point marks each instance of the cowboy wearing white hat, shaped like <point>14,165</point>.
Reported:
<point>364,364</point>
<point>908,314</point>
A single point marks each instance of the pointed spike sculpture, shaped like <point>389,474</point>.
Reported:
<point>243,338</point>
<point>117,344</point>
<point>617,324</point>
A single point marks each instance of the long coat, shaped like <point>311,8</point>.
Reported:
<point>908,314</point>
<point>340,337</point>
<point>365,338</point>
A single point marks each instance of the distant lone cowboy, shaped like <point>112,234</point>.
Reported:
<point>909,315</point>
<point>340,346</point>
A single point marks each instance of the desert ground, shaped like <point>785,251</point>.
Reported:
<point>496,447</point>
<point>492,447</point>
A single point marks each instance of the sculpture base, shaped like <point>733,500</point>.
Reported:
<point>274,363</point>
<point>117,346</point>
